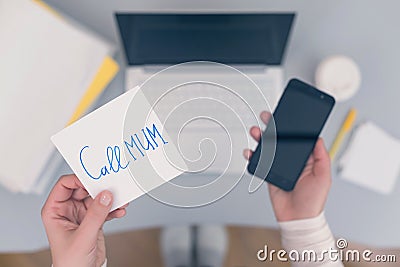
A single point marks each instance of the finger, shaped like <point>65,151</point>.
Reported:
<point>80,194</point>
<point>247,153</point>
<point>320,152</point>
<point>255,132</point>
<point>124,206</point>
<point>265,116</point>
<point>118,213</point>
<point>310,160</point>
<point>88,201</point>
<point>321,157</point>
<point>95,217</point>
<point>64,188</point>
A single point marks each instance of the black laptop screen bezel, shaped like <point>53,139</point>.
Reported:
<point>129,25</point>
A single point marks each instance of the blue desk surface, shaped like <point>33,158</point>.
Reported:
<point>364,30</point>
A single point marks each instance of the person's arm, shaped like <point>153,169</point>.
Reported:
<point>74,221</point>
<point>311,235</point>
<point>300,212</point>
<point>104,264</point>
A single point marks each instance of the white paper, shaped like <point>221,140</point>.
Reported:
<point>84,146</point>
<point>46,65</point>
<point>372,159</point>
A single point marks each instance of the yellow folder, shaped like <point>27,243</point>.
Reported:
<point>105,74</point>
<point>47,7</point>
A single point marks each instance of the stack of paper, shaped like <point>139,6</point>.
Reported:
<point>51,72</point>
<point>372,159</point>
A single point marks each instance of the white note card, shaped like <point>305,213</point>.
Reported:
<point>105,152</point>
<point>372,159</point>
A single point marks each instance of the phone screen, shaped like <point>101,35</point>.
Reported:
<point>299,118</point>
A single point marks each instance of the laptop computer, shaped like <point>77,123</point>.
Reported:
<point>254,44</point>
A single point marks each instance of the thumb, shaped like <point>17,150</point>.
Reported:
<point>95,218</point>
<point>321,158</point>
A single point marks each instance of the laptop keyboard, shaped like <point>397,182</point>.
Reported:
<point>204,106</point>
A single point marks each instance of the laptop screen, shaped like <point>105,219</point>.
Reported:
<point>225,38</point>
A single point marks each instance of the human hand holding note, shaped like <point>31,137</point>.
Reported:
<point>107,155</point>
<point>106,152</point>
<point>74,222</point>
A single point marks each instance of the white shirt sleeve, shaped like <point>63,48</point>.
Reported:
<point>308,235</point>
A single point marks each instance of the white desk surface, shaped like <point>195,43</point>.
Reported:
<point>364,30</point>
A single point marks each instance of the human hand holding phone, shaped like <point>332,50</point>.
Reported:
<point>307,199</point>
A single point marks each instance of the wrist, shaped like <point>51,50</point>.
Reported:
<point>282,218</point>
<point>310,222</point>
<point>306,231</point>
<point>103,265</point>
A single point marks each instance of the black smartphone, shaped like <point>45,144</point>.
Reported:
<point>299,118</point>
